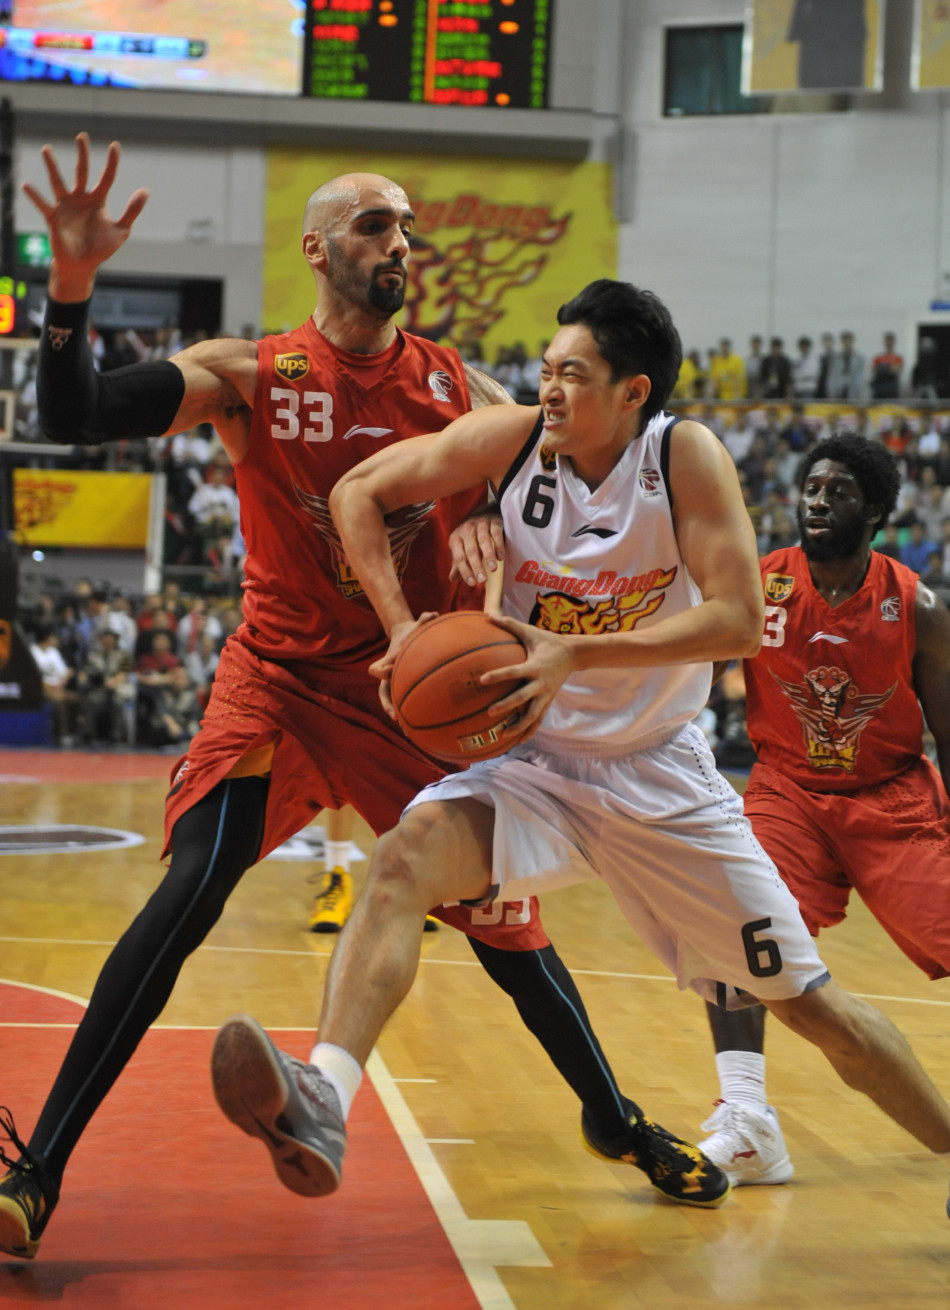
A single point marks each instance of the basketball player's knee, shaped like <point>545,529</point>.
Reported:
<point>399,871</point>
<point>840,1024</point>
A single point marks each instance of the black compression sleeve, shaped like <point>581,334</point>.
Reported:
<point>77,404</point>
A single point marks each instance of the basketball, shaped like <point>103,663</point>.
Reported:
<point>440,703</point>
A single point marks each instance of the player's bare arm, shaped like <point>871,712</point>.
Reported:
<point>220,377</point>
<point>475,449</point>
<point>484,390</point>
<point>932,672</point>
<point>718,547</point>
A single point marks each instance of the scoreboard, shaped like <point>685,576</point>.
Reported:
<point>441,52</point>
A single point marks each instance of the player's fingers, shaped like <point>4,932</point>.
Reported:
<point>109,170</point>
<point>82,162</point>
<point>56,182</point>
<point>42,205</point>
<point>133,208</point>
<point>386,699</point>
<point>492,539</point>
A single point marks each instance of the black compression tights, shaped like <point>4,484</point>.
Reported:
<point>551,1007</point>
<point>214,843</point>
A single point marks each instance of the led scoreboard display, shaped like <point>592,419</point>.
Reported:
<point>442,52</point>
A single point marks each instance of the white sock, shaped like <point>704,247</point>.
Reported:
<point>336,855</point>
<point>741,1077</point>
<point>341,1071</point>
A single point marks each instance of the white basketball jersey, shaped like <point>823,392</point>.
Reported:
<point>580,561</point>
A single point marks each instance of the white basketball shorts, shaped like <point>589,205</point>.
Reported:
<point>665,830</point>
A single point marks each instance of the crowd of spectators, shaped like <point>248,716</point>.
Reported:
<point>835,371</point>
<point>117,669</point>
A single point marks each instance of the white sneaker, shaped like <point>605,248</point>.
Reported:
<point>747,1143</point>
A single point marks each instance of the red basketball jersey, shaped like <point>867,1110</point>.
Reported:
<point>313,420</point>
<point>830,697</point>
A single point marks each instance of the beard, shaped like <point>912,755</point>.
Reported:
<point>843,540</point>
<point>347,281</point>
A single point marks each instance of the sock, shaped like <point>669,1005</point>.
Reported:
<point>741,1077</point>
<point>341,1071</point>
<point>336,856</point>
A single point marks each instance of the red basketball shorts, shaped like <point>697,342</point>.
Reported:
<point>890,842</point>
<point>334,745</point>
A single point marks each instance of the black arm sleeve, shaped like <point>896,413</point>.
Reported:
<point>77,404</point>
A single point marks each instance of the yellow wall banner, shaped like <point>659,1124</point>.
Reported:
<point>813,45</point>
<point>499,244</point>
<point>931,60</point>
<point>81,508</point>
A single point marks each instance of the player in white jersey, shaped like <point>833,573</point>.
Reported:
<point>631,567</point>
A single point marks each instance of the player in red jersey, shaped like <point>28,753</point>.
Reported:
<point>842,796</point>
<point>294,723</point>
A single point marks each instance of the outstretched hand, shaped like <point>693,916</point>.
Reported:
<point>81,233</point>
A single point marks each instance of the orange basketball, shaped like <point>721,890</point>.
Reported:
<point>435,688</point>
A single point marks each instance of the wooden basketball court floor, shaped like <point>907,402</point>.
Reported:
<point>465,1183</point>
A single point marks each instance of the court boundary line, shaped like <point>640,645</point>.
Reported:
<point>479,1245</point>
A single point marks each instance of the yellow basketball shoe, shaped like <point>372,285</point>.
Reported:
<point>333,904</point>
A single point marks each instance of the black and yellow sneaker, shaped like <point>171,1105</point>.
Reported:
<point>27,1197</point>
<point>333,904</point>
<point>676,1168</point>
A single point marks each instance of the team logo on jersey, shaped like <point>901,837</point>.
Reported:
<point>440,384</point>
<point>828,636</point>
<point>778,587</point>
<point>833,714</point>
<point>548,459</point>
<point>649,483</point>
<point>357,431</point>
<point>403,527</point>
<point>291,367</point>
<point>557,611</point>
<point>6,641</point>
<point>891,609</point>
<point>588,530</point>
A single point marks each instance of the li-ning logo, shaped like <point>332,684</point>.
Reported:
<point>891,609</point>
<point>440,384</point>
<point>291,367</point>
<point>649,483</point>
<point>58,336</point>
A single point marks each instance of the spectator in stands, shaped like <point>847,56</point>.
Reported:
<point>691,382</point>
<point>886,370</point>
<point>172,602</point>
<point>796,431</point>
<point>934,576</point>
<point>202,664</point>
<point>775,373</point>
<point>888,541</point>
<point>175,713</point>
<point>58,683</point>
<point>120,353</point>
<point>106,691</point>
<point>847,380</point>
<point>932,505</point>
<point>753,369</point>
<point>825,360</point>
<point>941,462</point>
<point>737,437</point>
<point>189,453</point>
<point>531,373</point>
<point>156,621</point>
<point>117,617</point>
<point>754,465</point>
<point>928,443</point>
<point>726,376</point>
<point>193,626</point>
<point>925,380</point>
<point>916,550</point>
<point>786,463</point>
<point>214,507</point>
<point>945,546</point>
<point>805,370</point>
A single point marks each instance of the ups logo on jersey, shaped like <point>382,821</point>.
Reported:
<point>292,367</point>
<point>548,459</point>
<point>778,587</point>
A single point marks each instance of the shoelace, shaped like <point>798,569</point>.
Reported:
<point>662,1146</point>
<point>334,892</point>
<point>26,1160</point>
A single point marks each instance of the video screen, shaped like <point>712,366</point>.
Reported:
<point>250,46</point>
